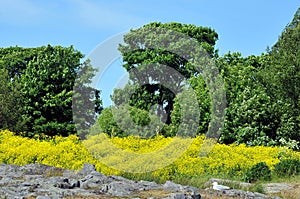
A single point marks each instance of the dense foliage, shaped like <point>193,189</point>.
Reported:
<point>260,171</point>
<point>288,167</point>
<point>282,80</point>
<point>159,85</point>
<point>250,111</point>
<point>37,88</point>
<point>262,92</point>
<point>10,102</point>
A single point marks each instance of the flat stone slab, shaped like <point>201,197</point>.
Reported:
<point>272,188</point>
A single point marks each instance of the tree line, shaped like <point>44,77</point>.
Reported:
<point>262,92</point>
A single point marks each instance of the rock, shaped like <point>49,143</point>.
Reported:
<point>191,191</point>
<point>146,185</point>
<point>44,182</point>
<point>182,196</point>
<point>40,169</point>
<point>236,192</point>
<point>119,178</point>
<point>118,188</point>
<point>171,186</point>
<point>272,188</point>
<point>176,196</point>
<point>95,180</point>
<point>43,197</point>
<point>87,169</point>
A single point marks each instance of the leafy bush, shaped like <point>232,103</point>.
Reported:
<point>260,171</point>
<point>107,123</point>
<point>126,120</point>
<point>287,167</point>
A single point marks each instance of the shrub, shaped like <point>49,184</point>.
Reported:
<point>287,167</point>
<point>126,120</point>
<point>260,171</point>
<point>258,188</point>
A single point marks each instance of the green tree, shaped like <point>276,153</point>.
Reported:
<point>13,62</point>
<point>144,64</point>
<point>249,114</point>
<point>201,91</point>
<point>10,102</point>
<point>16,59</point>
<point>86,102</point>
<point>47,87</point>
<point>127,120</point>
<point>41,81</point>
<point>281,76</point>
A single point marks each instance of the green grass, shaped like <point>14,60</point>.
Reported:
<point>199,181</point>
<point>288,179</point>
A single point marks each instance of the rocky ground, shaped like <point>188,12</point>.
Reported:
<point>45,182</point>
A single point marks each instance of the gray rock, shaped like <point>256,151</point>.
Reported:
<point>43,182</point>
<point>32,177</point>
<point>177,196</point>
<point>94,180</point>
<point>272,188</point>
<point>87,169</point>
<point>191,191</point>
<point>240,193</point>
<point>182,196</point>
<point>43,197</point>
<point>118,188</point>
<point>40,169</point>
<point>171,186</point>
<point>244,194</point>
<point>146,185</point>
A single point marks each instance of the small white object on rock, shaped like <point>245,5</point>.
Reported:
<point>218,187</point>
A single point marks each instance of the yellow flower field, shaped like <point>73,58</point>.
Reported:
<point>162,157</point>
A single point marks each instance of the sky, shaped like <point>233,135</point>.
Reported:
<point>246,26</point>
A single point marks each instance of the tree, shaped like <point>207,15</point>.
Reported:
<point>44,78</point>
<point>127,120</point>
<point>10,103</point>
<point>16,59</point>
<point>86,102</point>
<point>13,62</point>
<point>154,84</point>
<point>281,75</point>
<point>250,114</point>
<point>198,86</point>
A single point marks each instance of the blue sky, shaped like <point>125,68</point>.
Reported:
<point>246,26</point>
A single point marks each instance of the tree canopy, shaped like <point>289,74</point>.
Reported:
<point>146,65</point>
<point>39,83</point>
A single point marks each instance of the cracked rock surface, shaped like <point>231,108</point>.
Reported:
<point>46,182</point>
